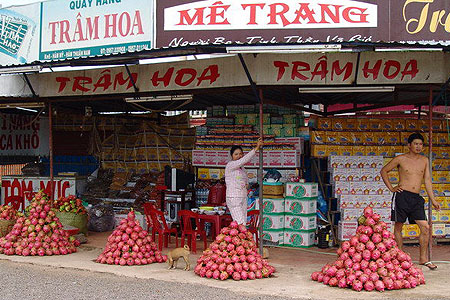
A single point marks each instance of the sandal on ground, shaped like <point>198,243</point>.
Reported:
<point>429,265</point>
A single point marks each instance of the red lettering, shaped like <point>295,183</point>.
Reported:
<point>211,73</point>
<point>353,11</point>
<point>64,187</point>
<point>253,7</point>
<point>281,66</point>
<point>180,75</point>
<point>184,16</point>
<point>62,83</point>
<point>26,141</point>
<point>299,66</point>
<point>52,26</point>
<point>336,69</point>
<point>16,186</point>
<point>79,82</point>
<point>110,25</point>
<point>124,18</point>
<point>410,69</point>
<point>304,12</point>
<point>9,143</point>
<point>214,14</point>
<point>326,10</point>
<point>64,31</point>
<point>387,69</point>
<point>27,190</point>
<point>137,23</point>
<point>6,184</point>
<point>165,79</point>
<point>374,71</point>
<point>119,79</point>
<point>92,28</point>
<point>273,13</point>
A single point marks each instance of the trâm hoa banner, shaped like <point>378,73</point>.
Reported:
<point>19,34</point>
<point>82,28</point>
<point>182,23</point>
<point>23,135</point>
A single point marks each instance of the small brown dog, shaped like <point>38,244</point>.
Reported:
<point>175,254</point>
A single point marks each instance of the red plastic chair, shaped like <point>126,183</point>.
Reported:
<point>186,218</point>
<point>15,201</point>
<point>148,207</point>
<point>159,225</point>
<point>253,224</point>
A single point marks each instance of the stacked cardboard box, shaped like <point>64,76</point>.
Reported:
<point>357,184</point>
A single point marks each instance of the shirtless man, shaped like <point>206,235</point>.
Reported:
<point>413,168</point>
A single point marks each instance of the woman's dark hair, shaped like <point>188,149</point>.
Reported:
<point>415,136</point>
<point>234,148</point>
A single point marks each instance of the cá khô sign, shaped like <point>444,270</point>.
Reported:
<point>23,135</point>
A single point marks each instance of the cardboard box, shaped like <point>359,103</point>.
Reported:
<point>295,206</point>
<point>273,206</point>
<point>275,159</point>
<point>319,150</point>
<point>351,214</point>
<point>290,159</point>
<point>439,230</point>
<point>444,216</point>
<point>271,222</point>
<point>198,157</point>
<point>203,173</point>
<point>300,222</point>
<point>273,237</point>
<point>447,229</point>
<point>410,230</point>
<point>346,229</point>
<point>302,239</point>
<point>301,190</point>
<point>223,157</point>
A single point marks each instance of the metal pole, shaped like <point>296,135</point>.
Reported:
<point>260,173</point>
<point>50,144</point>
<point>430,158</point>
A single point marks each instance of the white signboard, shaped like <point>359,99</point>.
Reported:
<point>74,29</point>
<point>25,186</point>
<point>19,35</point>
<point>269,14</point>
<point>21,135</point>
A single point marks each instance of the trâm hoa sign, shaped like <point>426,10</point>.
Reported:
<point>269,14</point>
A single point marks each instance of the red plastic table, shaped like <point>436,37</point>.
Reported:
<point>215,220</point>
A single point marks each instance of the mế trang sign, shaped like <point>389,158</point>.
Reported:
<point>183,23</point>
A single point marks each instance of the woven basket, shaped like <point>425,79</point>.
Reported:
<point>273,190</point>
<point>6,226</point>
<point>71,219</point>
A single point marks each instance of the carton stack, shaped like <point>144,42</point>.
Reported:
<point>291,221</point>
<point>357,184</point>
<point>300,221</point>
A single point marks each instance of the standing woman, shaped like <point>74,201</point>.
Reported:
<point>236,180</point>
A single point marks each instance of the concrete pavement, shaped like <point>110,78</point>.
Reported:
<point>292,279</point>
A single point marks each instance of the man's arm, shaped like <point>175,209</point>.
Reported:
<point>384,174</point>
<point>429,186</point>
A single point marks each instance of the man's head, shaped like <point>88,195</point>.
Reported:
<point>415,143</point>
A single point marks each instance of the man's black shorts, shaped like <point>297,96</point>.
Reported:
<point>408,205</point>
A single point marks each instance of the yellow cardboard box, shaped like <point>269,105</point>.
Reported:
<point>359,150</point>
<point>319,150</point>
<point>410,230</point>
<point>203,173</point>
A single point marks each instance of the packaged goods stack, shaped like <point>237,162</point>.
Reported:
<point>273,213</point>
<point>357,183</point>
<point>300,221</point>
<point>237,125</point>
<point>387,138</point>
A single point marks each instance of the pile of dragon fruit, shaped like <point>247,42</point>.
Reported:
<point>41,233</point>
<point>233,254</point>
<point>371,260</point>
<point>130,245</point>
